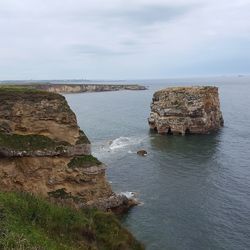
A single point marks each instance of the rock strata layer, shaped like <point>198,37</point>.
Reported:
<point>43,151</point>
<point>186,110</point>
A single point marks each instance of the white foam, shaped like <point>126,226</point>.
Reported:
<point>122,142</point>
<point>129,195</point>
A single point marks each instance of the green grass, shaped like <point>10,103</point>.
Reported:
<point>84,161</point>
<point>28,91</point>
<point>62,194</point>
<point>29,222</point>
<point>29,142</point>
<point>19,89</point>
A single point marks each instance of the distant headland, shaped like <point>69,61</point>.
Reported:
<point>73,86</point>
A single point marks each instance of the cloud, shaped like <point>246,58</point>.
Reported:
<point>146,15</point>
<point>98,50</point>
<point>122,39</point>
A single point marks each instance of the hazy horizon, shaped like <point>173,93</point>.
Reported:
<point>135,79</point>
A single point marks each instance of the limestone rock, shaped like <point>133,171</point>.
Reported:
<point>43,151</point>
<point>118,203</point>
<point>186,110</point>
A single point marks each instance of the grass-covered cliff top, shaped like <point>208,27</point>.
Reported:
<point>182,89</point>
<point>28,222</point>
<point>15,91</point>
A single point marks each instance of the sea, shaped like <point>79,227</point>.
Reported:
<point>194,190</point>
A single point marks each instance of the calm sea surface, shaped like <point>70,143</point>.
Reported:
<point>195,189</point>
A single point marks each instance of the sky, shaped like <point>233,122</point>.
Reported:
<point>123,39</point>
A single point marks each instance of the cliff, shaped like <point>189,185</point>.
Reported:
<point>186,110</point>
<point>44,152</point>
<point>79,88</point>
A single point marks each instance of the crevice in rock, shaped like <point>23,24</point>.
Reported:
<point>169,131</point>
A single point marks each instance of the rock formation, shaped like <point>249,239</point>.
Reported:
<point>186,110</point>
<point>43,151</point>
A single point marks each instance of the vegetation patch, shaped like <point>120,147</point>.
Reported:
<point>29,222</point>
<point>83,139</point>
<point>18,89</point>
<point>29,142</point>
<point>29,92</point>
<point>60,193</point>
<point>84,161</point>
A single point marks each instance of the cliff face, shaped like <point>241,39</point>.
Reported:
<point>186,110</point>
<point>78,88</point>
<point>43,151</point>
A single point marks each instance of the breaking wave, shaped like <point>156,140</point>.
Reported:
<point>129,195</point>
<point>122,142</point>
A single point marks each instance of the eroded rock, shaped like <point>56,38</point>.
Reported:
<point>186,110</point>
<point>43,151</point>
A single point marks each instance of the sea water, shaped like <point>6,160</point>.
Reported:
<point>194,190</point>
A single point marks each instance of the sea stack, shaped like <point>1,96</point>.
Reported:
<point>186,110</point>
<point>44,152</point>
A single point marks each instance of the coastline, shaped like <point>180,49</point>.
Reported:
<point>64,88</point>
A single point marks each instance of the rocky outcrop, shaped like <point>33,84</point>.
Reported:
<point>186,110</point>
<point>43,151</point>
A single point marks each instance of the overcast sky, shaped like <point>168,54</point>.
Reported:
<point>123,39</point>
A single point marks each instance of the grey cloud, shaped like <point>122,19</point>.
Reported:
<point>133,16</point>
<point>147,14</point>
<point>136,37</point>
<point>98,50</point>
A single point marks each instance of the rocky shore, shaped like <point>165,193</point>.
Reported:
<point>44,152</point>
<point>186,110</point>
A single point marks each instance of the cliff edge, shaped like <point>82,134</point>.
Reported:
<point>186,110</point>
<point>44,152</point>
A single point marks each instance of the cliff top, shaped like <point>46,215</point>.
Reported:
<point>26,92</point>
<point>32,118</point>
<point>188,89</point>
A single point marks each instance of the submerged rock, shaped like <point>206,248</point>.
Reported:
<point>186,110</point>
<point>142,152</point>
